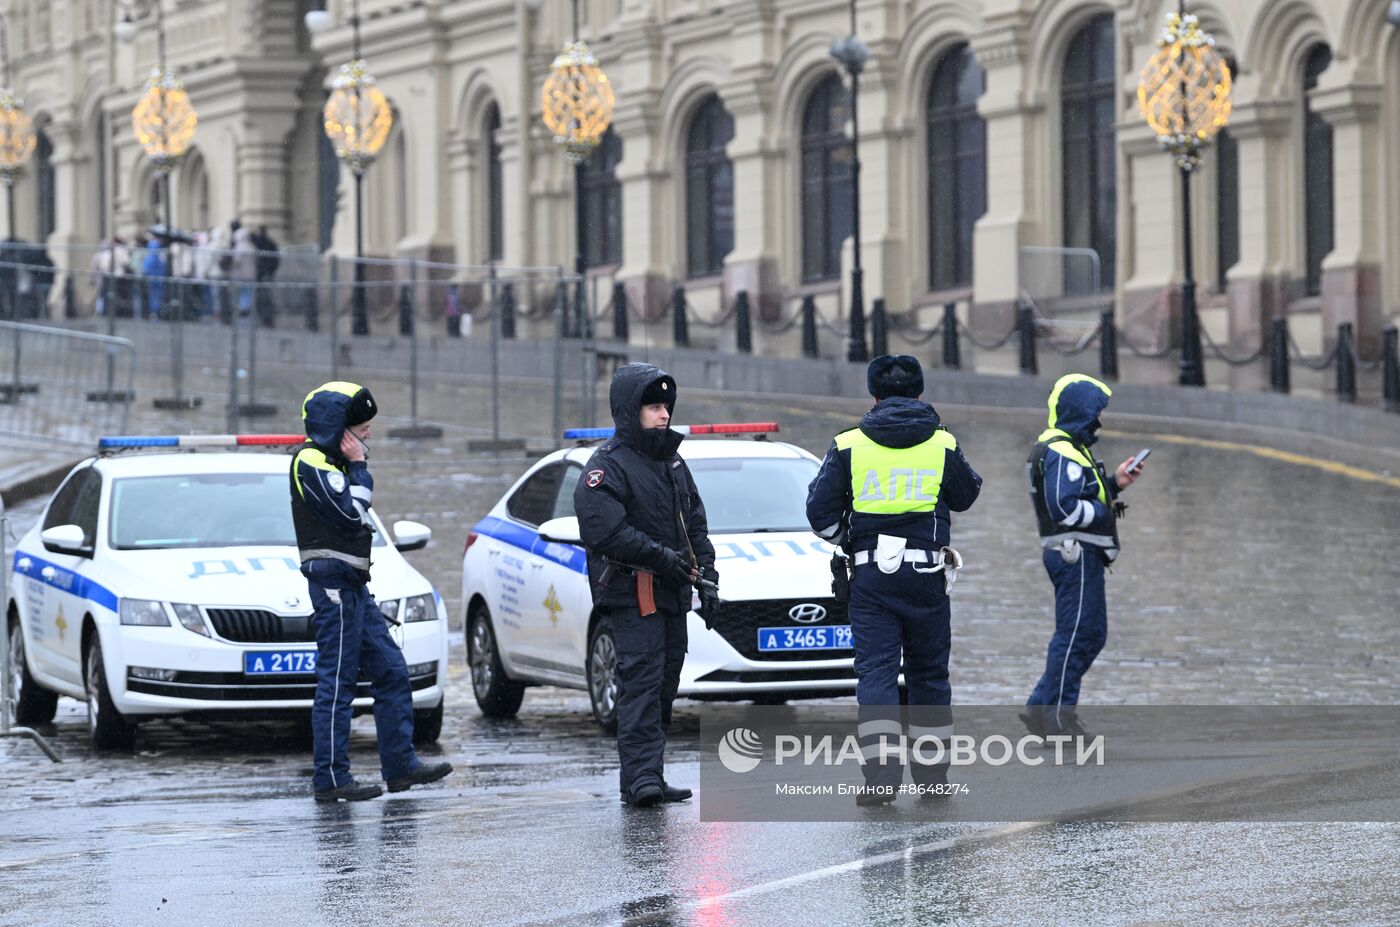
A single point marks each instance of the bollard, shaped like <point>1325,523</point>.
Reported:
<point>583,318</point>
<point>309,313</point>
<point>1108,346</point>
<point>1278,355</point>
<point>952,350</point>
<point>1390,386</point>
<point>1346,364</point>
<point>70,299</point>
<point>1025,322</point>
<point>561,305</point>
<point>743,325</point>
<point>508,311</point>
<point>619,311</point>
<point>809,326</point>
<point>680,328</point>
<point>879,333</point>
<point>405,313</point>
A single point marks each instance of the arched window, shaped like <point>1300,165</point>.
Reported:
<point>957,167</point>
<point>47,207</point>
<point>709,189</point>
<point>827,190</point>
<point>495,204</point>
<point>1227,201</point>
<point>600,204</point>
<point>1087,112</point>
<point>1317,172</point>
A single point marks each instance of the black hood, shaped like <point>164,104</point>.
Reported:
<point>625,400</point>
<point>900,422</point>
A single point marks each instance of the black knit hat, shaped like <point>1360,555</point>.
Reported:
<point>362,408</point>
<point>895,375</point>
<point>662,389</point>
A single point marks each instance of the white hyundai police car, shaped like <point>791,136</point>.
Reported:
<point>778,636</point>
<point>160,584</point>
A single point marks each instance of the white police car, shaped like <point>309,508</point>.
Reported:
<point>779,635</point>
<point>168,584</point>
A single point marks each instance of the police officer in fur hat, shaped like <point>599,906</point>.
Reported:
<point>883,495</point>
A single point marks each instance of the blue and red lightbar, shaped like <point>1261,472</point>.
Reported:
<point>118,442</point>
<point>734,428</point>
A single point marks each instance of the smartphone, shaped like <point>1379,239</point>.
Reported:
<point>1138,460</point>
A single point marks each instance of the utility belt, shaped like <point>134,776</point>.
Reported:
<point>891,553</point>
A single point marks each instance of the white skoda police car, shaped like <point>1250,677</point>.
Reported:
<point>168,584</point>
<point>778,636</point>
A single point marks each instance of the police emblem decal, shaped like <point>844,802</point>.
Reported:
<point>594,479</point>
<point>1075,471</point>
<point>337,482</point>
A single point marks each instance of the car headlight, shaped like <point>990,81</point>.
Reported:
<point>189,616</point>
<point>413,608</point>
<point>143,612</point>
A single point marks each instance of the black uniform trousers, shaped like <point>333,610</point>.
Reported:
<point>650,653</point>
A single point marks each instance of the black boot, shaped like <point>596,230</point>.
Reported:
<point>428,772</point>
<point>648,796</point>
<point>350,791</point>
<point>673,793</point>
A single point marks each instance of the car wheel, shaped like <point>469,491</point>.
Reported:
<point>33,704</point>
<point>602,675</point>
<point>108,729</point>
<point>427,724</point>
<point>497,694</point>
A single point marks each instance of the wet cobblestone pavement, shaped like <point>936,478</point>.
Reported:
<point>1254,571</point>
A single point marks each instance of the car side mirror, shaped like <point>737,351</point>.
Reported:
<point>561,530</point>
<point>411,535</point>
<point>66,539</point>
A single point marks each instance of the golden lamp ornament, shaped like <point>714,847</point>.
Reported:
<point>578,101</point>
<point>17,138</point>
<point>164,120</point>
<point>1184,90</point>
<point>357,116</point>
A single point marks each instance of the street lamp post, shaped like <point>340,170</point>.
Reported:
<point>852,54</point>
<point>577,103</point>
<point>17,138</point>
<point>164,123</point>
<point>1184,96</point>
<point>358,118</point>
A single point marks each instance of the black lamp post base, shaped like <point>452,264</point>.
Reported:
<point>416,432</point>
<point>184,404</point>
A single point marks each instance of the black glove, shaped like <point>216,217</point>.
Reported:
<point>709,598</point>
<point>674,567</point>
<point>1120,509</point>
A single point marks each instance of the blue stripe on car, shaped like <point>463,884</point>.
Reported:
<point>66,580</point>
<point>508,532</point>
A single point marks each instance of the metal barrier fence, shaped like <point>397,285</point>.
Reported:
<point>49,372</point>
<point>246,349</point>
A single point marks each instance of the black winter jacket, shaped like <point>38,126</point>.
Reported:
<point>629,498</point>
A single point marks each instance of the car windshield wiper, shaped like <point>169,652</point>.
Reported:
<point>770,530</point>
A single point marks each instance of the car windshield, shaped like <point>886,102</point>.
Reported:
<point>754,494</point>
<point>203,510</point>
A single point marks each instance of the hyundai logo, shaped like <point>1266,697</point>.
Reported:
<point>807,613</point>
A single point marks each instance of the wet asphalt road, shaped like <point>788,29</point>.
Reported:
<point>1247,578</point>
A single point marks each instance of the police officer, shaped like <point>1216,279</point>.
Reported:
<point>1076,509</point>
<point>331,494</point>
<point>642,521</point>
<point>883,494</point>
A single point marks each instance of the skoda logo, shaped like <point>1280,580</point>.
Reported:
<point>807,613</point>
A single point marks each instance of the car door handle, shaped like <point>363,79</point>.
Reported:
<point>48,572</point>
<point>493,551</point>
<point>24,563</point>
<point>537,566</point>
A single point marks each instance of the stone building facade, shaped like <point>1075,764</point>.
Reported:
<point>987,127</point>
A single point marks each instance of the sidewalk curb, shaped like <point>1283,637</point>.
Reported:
<point>37,483</point>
